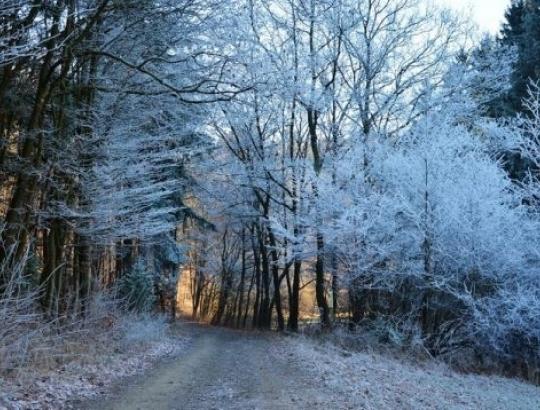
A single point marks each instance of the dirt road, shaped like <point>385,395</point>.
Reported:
<point>223,369</point>
<point>226,369</point>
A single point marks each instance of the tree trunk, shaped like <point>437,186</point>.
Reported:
<point>320,292</point>
<point>294,304</point>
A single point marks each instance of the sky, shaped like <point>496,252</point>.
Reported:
<point>488,14</point>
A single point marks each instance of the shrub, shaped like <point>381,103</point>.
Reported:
<point>137,288</point>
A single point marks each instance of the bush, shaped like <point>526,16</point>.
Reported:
<point>137,288</point>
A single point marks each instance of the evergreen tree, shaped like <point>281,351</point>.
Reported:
<point>522,31</point>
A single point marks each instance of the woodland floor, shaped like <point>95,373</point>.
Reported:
<point>226,369</point>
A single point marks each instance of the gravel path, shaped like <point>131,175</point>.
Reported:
<point>226,369</point>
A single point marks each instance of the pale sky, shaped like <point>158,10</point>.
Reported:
<point>488,14</point>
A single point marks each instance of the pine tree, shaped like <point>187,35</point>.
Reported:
<point>522,31</point>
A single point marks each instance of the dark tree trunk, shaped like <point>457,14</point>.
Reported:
<point>277,282</point>
<point>294,304</point>
<point>265,313</point>
<point>242,282</point>
<point>320,292</point>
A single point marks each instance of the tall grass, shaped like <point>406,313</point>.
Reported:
<point>32,341</point>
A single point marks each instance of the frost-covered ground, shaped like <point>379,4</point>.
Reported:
<point>92,375</point>
<point>225,369</point>
<point>374,381</point>
<point>213,368</point>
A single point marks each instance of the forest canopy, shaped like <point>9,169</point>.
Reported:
<point>378,158</point>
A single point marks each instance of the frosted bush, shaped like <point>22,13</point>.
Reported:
<point>137,288</point>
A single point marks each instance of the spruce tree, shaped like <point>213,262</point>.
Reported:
<point>522,31</point>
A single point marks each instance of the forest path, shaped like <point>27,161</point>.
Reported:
<point>237,370</point>
<point>224,369</point>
